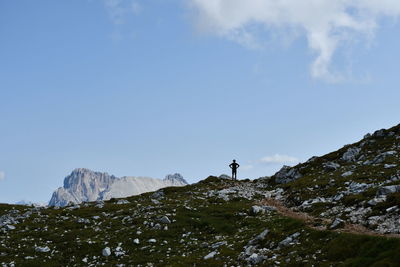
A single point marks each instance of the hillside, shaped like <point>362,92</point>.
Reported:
<point>359,183</point>
<point>340,209</point>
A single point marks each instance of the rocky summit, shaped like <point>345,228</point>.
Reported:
<point>84,185</point>
<point>340,209</point>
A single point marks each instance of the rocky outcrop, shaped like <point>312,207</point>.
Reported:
<point>286,175</point>
<point>84,185</point>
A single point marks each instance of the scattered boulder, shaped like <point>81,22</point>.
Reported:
<point>380,158</point>
<point>106,252</point>
<point>165,220</point>
<point>259,237</point>
<point>337,223</point>
<point>42,249</point>
<point>390,166</point>
<point>158,194</point>
<point>288,240</point>
<point>386,190</point>
<point>349,173</point>
<point>255,259</point>
<point>136,241</point>
<point>256,210</point>
<point>10,227</point>
<point>119,251</point>
<point>122,202</point>
<point>218,244</point>
<point>210,255</point>
<point>376,200</point>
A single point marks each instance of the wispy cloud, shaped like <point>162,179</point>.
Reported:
<point>2,175</point>
<point>279,159</point>
<point>120,10</point>
<point>326,24</point>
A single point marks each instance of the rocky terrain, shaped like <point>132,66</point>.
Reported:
<point>341,209</point>
<point>359,184</point>
<point>84,185</point>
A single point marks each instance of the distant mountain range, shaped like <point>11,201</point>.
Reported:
<point>84,185</point>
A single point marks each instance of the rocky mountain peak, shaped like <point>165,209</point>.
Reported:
<point>82,177</point>
<point>175,178</point>
<point>84,185</point>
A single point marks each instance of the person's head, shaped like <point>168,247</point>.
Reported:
<point>234,160</point>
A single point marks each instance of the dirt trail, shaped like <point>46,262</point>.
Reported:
<point>321,223</point>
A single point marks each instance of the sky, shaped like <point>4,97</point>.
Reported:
<point>152,87</point>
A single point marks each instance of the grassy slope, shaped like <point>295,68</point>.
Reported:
<point>317,182</point>
<point>208,219</point>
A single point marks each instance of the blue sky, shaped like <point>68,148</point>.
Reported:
<point>156,87</point>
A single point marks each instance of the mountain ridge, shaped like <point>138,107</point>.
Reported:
<point>84,185</point>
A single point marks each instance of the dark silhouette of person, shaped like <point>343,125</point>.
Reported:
<point>234,166</point>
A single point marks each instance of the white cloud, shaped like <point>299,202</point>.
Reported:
<point>119,10</point>
<point>279,159</point>
<point>2,175</point>
<point>326,24</point>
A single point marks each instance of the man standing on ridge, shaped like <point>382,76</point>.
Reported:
<point>234,166</point>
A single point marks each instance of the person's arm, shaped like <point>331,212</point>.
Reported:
<point>230,165</point>
<point>238,165</point>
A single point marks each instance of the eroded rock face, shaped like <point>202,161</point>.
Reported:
<point>84,185</point>
<point>286,175</point>
<point>351,154</point>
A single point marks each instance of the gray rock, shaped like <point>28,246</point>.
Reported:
<point>10,227</point>
<point>257,210</point>
<point>287,174</point>
<point>288,240</point>
<point>382,157</point>
<point>386,190</point>
<point>136,241</point>
<point>157,226</point>
<point>157,195</point>
<point>351,154</point>
<point>255,259</point>
<point>122,202</point>
<point>42,249</point>
<point>331,166</point>
<point>106,252</point>
<point>376,200</point>
<point>218,244</point>
<point>337,223</point>
<point>210,255</point>
<point>165,220</point>
<point>390,166</point>
<point>259,237</point>
<point>349,173</point>
<point>119,251</point>
<point>391,209</point>
<point>357,188</point>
